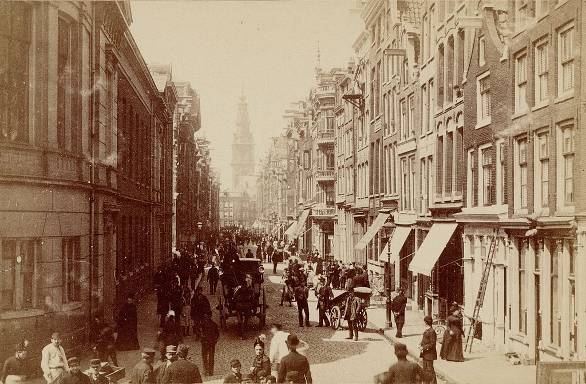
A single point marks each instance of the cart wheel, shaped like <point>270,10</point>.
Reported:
<point>362,320</point>
<point>335,317</point>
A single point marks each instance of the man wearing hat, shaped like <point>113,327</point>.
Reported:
<point>182,370</point>
<point>75,375</point>
<point>324,296</point>
<point>235,376</point>
<point>398,306</point>
<point>143,371</point>
<point>170,357</point>
<point>53,360</point>
<point>294,361</point>
<point>403,371</point>
<point>15,368</point>
<point>428,349</point>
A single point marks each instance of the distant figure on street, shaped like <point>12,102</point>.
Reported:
<point>324,296</point>
<point>429,350</point>
<point>200,305</point>
<point>403,371</point>
<point>294,362</point>
<point>53,360</point>
<point>249,254</point>
<point>75,375</point>
<point>452,345</point>
<point>209,337</point>
<point>182,371</point>
<point>15,368</point>
<point>275,259</point>
<point>213,277</point>
<point>301,297</point>
<point>127,326</point>
<point>235,376</point>
<point>398,306</point>
<point>142,372</point>
<point>351,312</point>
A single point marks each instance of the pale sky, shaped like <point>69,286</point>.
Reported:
<point>268,48</point>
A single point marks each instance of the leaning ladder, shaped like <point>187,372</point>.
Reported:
<point>481,293</point>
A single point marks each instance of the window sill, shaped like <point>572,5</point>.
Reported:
<point>518,114</point>
<point>22,314</point>
<point>519,337</point>
<point>539,106</point>
<point>483,123</point>
<point>564,97</point>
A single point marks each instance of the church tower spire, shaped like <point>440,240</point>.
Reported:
<point>243,163</point>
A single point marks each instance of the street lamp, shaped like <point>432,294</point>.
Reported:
<point>389,311</point>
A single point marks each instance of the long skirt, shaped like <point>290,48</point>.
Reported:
<point>452,346</point>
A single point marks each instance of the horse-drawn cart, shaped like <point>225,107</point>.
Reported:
<point>338,308</point>
<point>242,296</point>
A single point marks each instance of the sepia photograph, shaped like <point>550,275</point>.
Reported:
<point>292,191</point>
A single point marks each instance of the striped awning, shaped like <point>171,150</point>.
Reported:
<point>372,230</point>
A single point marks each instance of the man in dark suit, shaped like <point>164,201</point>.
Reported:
<point>403,371</point>
<point>209,337</point>
<point>398,305</point>
<point>294,362</point>
<point>351,312</point>
<point>182,370</point>
<point>429,350</point>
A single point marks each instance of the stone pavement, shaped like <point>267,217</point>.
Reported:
<point>482,366</point>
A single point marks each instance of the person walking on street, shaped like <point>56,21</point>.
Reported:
<point>142,373</point>
<point>200,305</point>
<point>301,297</point>
<point>182,371</point>
<point>275,260</point>
<point>15,368</point>
<point>75,375</point>
<point>278,348</point>
<point>213,277</point>
<point>351,312</point>
<point>403,371</point>
<point>398,306</point>
<point>209,337</point>
<point>53,360</point>
<point>235,376</point>
<point>127,326</point>
<point>294,362</point>
<point>324,296</point>
<point>452,343</point>
<point>429,350</point>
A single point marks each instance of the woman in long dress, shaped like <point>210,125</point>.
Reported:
<point>452,345</point>
<point>127,327</point>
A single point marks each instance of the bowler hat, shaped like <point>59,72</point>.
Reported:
<point>73,361</point>
<point>428,320</point>
<point>171,349</point>
<point>292,340</point>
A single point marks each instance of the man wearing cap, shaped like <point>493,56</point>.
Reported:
<point>143,370</point>
<point>294,361</point>
<point>235,376</point>
<point>53,360</point>
<point>15,368</point>
<point>182,371</point>
<point>209,337</point>
<point>170,357</point>
<point>75,375</point>
<point>398,306</point>
<point>429,350</point>
<point>403,371</point>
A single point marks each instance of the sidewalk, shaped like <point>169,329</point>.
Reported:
<point>482,366</point>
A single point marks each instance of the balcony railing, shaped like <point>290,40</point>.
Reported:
<point>325,90</point>
<point>325,137</point>
<point>325,175</point>
<point>323,212</point>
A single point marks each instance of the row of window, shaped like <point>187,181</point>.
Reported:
<point>20,286</point>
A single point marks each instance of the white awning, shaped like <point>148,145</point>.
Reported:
<point>291,230</point>
<point>299,228</point>
<point>372,230</point>
<point>400,235</point>
<point>431,249</point>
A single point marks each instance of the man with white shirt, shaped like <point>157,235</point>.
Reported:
<point>278,348</point>
<point>53,360</point>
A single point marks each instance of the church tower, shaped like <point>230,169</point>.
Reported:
<point>243,173</point>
